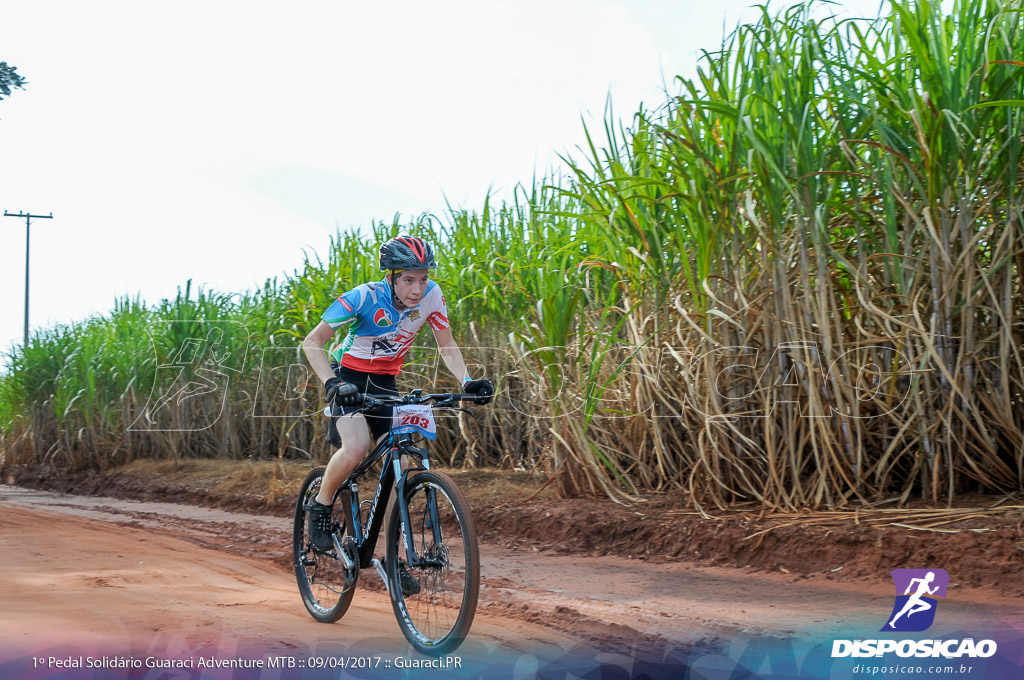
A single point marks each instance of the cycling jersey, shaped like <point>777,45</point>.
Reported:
<point>379,336</point>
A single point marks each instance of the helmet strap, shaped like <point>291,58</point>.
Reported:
<point>395,302</point>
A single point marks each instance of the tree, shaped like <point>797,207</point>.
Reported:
<point>9,78</point>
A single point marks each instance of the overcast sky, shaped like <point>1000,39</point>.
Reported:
<point>216,139</point>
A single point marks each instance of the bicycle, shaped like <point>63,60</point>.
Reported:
<point>430,534</point>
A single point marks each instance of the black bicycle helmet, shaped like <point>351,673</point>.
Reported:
<point>406,252</point>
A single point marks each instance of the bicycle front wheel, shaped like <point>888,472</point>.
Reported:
<point>325,587</point>
<point>435,599</point>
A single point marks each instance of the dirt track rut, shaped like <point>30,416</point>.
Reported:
<point>96,570</point>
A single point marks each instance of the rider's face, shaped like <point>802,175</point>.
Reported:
<point>410,286</point>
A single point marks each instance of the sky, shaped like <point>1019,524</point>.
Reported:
<point>221,140</point>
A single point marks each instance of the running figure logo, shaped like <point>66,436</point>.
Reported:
<point>914,610</point>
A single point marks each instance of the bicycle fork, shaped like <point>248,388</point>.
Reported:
<point>404,522</point>
<point>433,517</point>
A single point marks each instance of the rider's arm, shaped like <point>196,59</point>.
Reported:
<point>313,346</point>
<point>451,353</point>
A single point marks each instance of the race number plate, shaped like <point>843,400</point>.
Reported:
<point>414,419</point>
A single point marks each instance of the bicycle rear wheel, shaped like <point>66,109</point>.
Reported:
<point>325,587</point>
<point>436,619</point>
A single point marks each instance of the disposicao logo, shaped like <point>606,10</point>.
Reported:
<point>914,611</point>
<point>381,318</point>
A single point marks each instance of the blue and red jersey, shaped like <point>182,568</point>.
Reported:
<point>379,336</point>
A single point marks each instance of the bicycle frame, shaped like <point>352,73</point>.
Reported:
<point>391,449</point>
<point>392,476</point>
<point>418,560</point>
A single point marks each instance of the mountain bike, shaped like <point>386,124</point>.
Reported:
<point>431,568</point>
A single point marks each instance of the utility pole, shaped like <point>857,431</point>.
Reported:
<point>28,222</point>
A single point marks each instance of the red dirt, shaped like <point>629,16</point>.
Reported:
<point>560,578</point>
<point>981,551</point>
<point>94,588</point>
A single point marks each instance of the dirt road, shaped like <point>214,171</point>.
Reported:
<point>93,576</point>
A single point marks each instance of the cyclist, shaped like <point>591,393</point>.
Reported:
<point>382,318</point>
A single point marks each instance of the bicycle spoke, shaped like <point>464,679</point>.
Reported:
<point>325,587</point>
<point>437,617</point>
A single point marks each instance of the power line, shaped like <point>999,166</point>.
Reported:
<point>28,222</point>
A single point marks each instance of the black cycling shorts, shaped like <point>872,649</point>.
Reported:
<point>379,419</point>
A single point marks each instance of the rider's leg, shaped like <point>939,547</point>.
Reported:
<point>355,443</point>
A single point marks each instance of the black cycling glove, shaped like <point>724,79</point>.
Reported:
<point>342,393</point>
<point>484,389</point>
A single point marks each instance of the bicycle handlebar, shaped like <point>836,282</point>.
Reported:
<point>441,399</point>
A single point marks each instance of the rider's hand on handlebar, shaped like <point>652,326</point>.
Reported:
<point>342,393</point>
<point>484,389</point>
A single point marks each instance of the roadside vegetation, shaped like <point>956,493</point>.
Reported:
<point>797,282</point>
